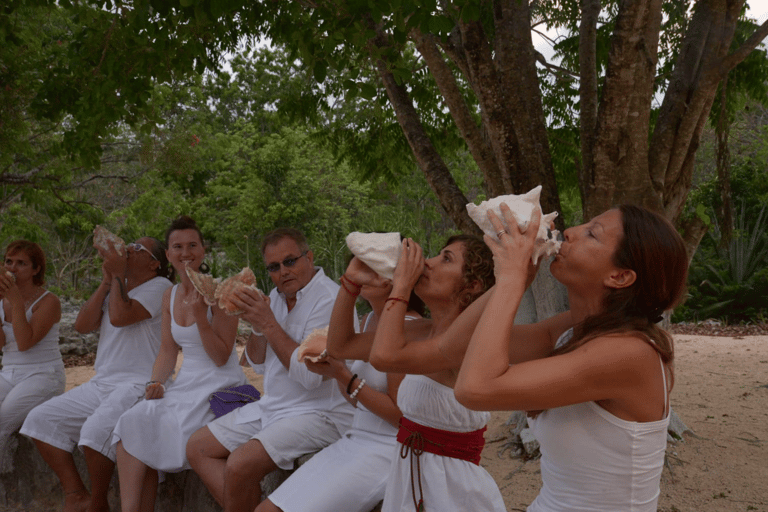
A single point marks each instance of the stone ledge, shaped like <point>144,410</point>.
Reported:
<point>33,487</point>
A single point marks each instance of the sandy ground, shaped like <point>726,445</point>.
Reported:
<point>721,393</point>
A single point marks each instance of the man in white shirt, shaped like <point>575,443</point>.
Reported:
<point>300,412</point>
<point>126,307</point>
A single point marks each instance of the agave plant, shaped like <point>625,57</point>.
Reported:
<point>731,281</point>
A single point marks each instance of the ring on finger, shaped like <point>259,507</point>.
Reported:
<point>501,232</point>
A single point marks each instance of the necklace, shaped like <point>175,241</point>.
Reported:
<point>34,297</point>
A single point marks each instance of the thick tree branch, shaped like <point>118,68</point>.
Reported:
<point>734,59</point>
<point>590,12</point>
<point>462,116</point>
<point>430,162</point>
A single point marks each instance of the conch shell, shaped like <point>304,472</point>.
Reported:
<point>101,237</point>
<point>11,275</point>
<point>205,285</point>
<point>216,292</point>
<point>522,207</point>
<point>226,290</point>
<point>313,348</point>
<point>380,251</point>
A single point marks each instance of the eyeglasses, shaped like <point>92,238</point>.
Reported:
<point>136,246</point>
<point>287,263</point>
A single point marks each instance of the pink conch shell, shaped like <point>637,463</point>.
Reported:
<point>216,292</point>
<point>101,237</point>
<point>313,347</point>
<point>227,288</point>
<point>522,207</point>
<point>204,284</point>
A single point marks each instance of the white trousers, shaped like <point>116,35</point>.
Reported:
<point>22,388</point>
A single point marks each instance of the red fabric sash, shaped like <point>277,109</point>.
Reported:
<point>416,439</point>
<point>459,445</point>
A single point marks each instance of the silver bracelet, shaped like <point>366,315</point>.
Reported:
<point>359,387</point>
<point>256,333</point>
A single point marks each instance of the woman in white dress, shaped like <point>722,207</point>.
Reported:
<point>436,466</point>
<point>601,372</point>
<point>350,475</point>
<point>152,435</point>
<point>33,371</point>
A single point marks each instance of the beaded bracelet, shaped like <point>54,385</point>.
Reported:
<point>356,391</point>
<point>345,281</point>
<point>349,386</point>
<point>397,299</point>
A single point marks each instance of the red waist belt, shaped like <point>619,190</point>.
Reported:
<point>417,439</point>
<point>459,445</point>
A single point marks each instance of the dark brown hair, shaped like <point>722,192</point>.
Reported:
<point>653,249</point>
<point>180,223</point>
<point>158,251</point>
<point>35,254</point>
<point>478,267</point>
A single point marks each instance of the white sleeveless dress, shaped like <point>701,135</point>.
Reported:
<point>156,431</point>
<point>592,461</point>
<point>448,484</point>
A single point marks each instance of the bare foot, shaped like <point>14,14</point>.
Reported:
<point>77,501</point>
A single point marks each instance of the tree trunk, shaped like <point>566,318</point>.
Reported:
<point>429,160</point>
<point>621,147</point>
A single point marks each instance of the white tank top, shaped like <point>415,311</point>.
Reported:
<point>44,351</point>
<point>593,461</point>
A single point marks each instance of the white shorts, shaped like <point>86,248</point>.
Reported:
<point>84,416</point>
<point>285,440</point>
<point>349,475</point>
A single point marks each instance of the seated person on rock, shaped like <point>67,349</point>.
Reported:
<point>300,412</point>
<point>33,370</point>
<point>126,308</point>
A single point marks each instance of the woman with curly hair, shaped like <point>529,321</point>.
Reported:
<point>436,466</point>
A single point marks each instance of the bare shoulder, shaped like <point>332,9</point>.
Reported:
<point>622,350</point>
<point>418,329</point>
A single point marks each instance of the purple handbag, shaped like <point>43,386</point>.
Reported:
<point>227,400</point>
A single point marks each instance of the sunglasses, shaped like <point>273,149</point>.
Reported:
<point>136,246</point>
<point>287,263</point>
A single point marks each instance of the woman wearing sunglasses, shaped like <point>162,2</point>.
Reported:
<point>152,436</point>
<point>33,370</point>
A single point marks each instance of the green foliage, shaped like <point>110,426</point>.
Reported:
<point>731,282</point>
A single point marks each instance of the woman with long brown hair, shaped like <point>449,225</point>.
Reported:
<point>601,372</point>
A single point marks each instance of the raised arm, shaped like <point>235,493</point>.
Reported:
<point>260,316</point>
<point>44,316</point>
<point>218,334</point>
<point>343,341</point>
<point>496,342</point>
<point>395,349</point>
<point>89,317</point>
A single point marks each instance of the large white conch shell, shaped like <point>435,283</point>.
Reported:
<point>522,207</point>
<point>314,346</point>
<point>101,237</point>
<point>380,251</point>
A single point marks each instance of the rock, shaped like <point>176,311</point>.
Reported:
<point>676,428</point>
<point>529,442</point>
<point>33,487</point>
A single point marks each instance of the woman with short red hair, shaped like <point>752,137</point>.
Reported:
<point>33,370</point>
